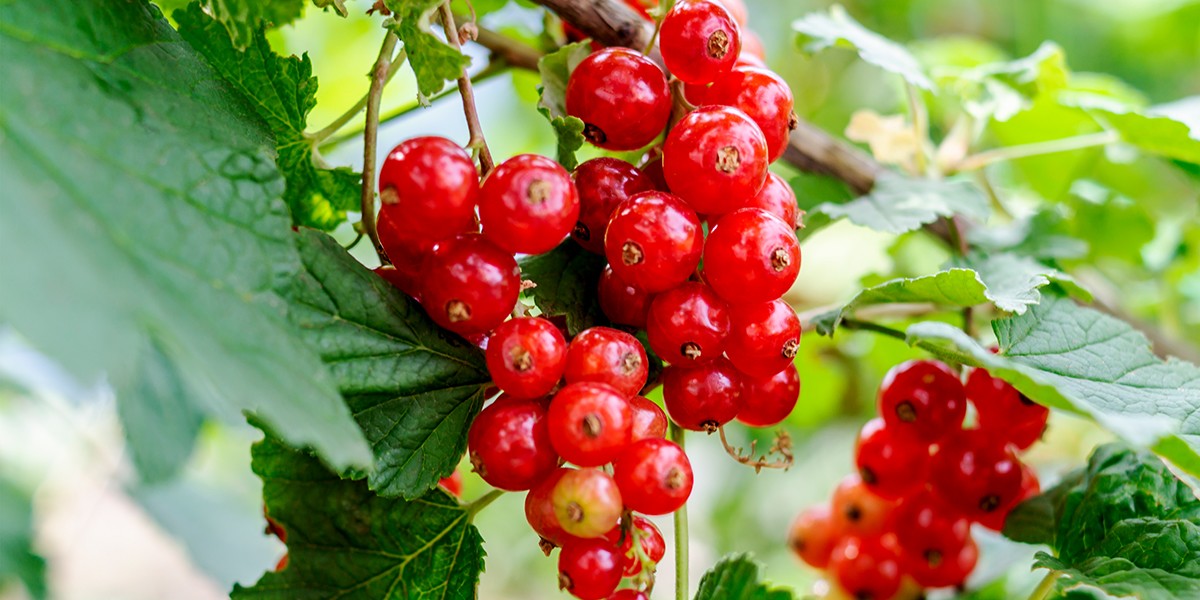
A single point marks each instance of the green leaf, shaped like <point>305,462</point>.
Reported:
<point>282,91</point>
<point>1014,282</point>
<point>1123,526</point>
<point>161,419</point>
<point>1077,359</point>
<point>17,559</point>
<point>433,61</point>
<point>735,577</point>
<point>413,388</point>
<point>899,204</point>
<point>819,31</point>
<point>159,206</point>
<point>1151,130</point>
<point>346,542</point>
<point>555,69</point>
<point>1044,235</point>
<point>242,19</point>
<point>566,279</point>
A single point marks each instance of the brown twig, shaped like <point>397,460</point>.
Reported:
<point>379,76</point>
<point>477,141</point>
<point>512,52</point>
<point>782,447</point>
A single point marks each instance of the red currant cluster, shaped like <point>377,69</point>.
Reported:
<point>922,480</point>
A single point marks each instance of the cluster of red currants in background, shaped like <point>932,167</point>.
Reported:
<point>923,479</point>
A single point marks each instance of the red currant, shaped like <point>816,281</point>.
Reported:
<point>777,198</point>
<point>403,280</point>
<point>763,338</point>
<point>606,355</point>
<point>924,396</point>
<point>468,285</point>
<point>590,423</point>
<point>453,484</point>
<point>866,568</point>
<point>653,241</point>
<point>938,568</point>
<point>857,510</point>
<point>765,97</point>
<point>931,536</point>
<point>767,401</point>
<point>653,170</point>
<point>587,502</point>
<point>526,357</point>
<point>622,98</point>
<point>753,51</point>
<point>687,324</point>
<point>603,184</point>
<point>1030,487</point>
<point>812,536</point>
<point>699,41</point>
<point>528,204</point>
<point>589,569</point>
<point>650,540</point>
<point>976,475</point>
<point>892,462</point>
<point>703,396</point>
<point>405,252</point>
<point>751,257</point>
<point>715,158</point>
<point>649,421</point>
<point>654,476</point>
<point>509,444</point>
<point>1004,411</point>
<point>539,510</point>
<point>430,185</point>
<point>622,303</point>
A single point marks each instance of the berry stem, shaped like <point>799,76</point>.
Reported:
<point>379,76</point>
<point>1042,591</point>
<point>875,327</point>
<point>681,532</point>
<point>482,502</point>
<point>477,141</point>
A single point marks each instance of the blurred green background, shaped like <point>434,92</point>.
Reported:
<point>107,536</point>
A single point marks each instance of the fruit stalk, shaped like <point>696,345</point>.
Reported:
<point>681,532</point>
<point>477,142</point>
<point>379,76</point>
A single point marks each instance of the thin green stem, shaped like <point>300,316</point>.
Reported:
<point>370,140</point>
<point>320,136</point>
<point>1042,591</point>
<point>1079,142</point>
<point>681,533</point>
<point>482,502</point>
<point>855,324</point>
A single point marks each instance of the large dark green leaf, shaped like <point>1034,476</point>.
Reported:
<point>413,387</point>
<point>143,232</point>
<point>1124,526</point>
<point>1078,359</point>
<point>346,542</point>
<point>282,91</point>
<point>17,559</point>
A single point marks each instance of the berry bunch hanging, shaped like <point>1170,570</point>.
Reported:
<point>923,479</point>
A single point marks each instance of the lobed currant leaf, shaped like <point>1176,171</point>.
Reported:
<point>898,204</point>
<point>413,388</point>
<point>344,541</point>
<point>17,558</point>
<point>281,91</point>
<point>736,577</point>
<point>180,267</point>
<point>819,31</point>
<point>433,61</point>
<point>566,279</point>
<point>243,19</point>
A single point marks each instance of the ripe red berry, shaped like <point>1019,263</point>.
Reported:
<point>866,568</point>
<point>777,198</point>
<point>767,401</point>
<point>590,423</point>
<point>526,357</point>
<point>589,569</point>
<point>606,355</point>
<point>528,204</point>
<point>699,41</point>
<point>603,184</point>
<point>622,98</point>
<point>715,158</point>
<point>622,303</point>
<point>753,52</point>
<point>405,281</point>
<point>932,540</point>
<point>649,421</point>
<point>539,510</point>
<point>703,396</point>
<point>453,483</point>
<point>924,396</point>
<point>650,540</point>
<point>468,285</point>
<point>654,476</point>
<point>429,184</point>
<point>653,241</point>
<point>975,475</point>
<point>763,338</point>
<point>857,510</point>
<point>406,253</point>
<point>892,462</point>
<point>813,535</point>
<point>765,97</point>
<point>1030,487</point>
<point>751,257</point>
<point>509,444</point>
<point>1004,411</point>
<point>587,502</point>
<point>653,170</point>
<point>687,324</point>
<point>936,568</point>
